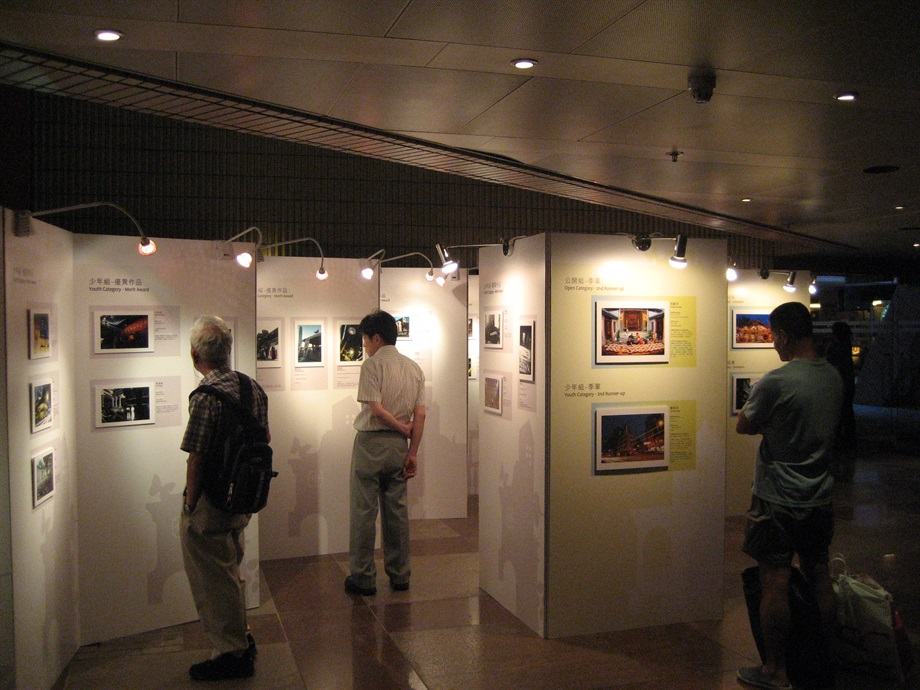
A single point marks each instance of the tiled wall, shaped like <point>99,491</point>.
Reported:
<point>188,181</point>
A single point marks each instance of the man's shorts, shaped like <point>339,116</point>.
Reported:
<point>774,533</point>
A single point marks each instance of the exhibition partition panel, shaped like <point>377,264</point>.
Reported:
<point>472,393</point>
<point>308,362</point>
<point>511,403</point>
<point>626,531</point>
<point>750,355</point>
<point>434,334</point>
<point>43,624</point>
<point>132,316</point>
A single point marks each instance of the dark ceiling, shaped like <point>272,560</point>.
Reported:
<point>605,115</point>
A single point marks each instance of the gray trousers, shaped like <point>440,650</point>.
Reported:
<point>212,549</point>
<point>377,479</point>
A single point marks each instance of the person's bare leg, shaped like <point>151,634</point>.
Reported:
<point>774,620</point>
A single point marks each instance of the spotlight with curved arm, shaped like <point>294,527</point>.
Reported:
<point>244,259</point>
<point>367,265</point>
<point>428,276</point>
<point>679,258</point>
<point>23,227</point>
<point>321,273</point>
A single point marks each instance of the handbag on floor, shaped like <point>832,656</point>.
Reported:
<point>866,640</point>
<point>807,657</point>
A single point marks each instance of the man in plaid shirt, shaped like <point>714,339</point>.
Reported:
<point>212,547</point>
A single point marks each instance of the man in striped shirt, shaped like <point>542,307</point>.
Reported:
<point>391,390</point>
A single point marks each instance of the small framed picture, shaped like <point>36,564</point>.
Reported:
<point>308,344</point>
<point>403,326</point>
<point>493,394</point>
<point>492,329</point>
<point>39,333</point>
<point>742,385</point>
<point>526,351</point>
<point>630,332</point>
<point>123,332</point>
<point>630,439</point>
<point>42,477</point>
<point>351,346</point>
<point>268,343</point>
<point>751,329</point>
<point>40,395</point>
<point>131,404</point>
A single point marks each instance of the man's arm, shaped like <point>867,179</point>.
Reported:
<point>415,439</point>
<point>746,426</point>
<point>384,415</point>
<point>194,471</point>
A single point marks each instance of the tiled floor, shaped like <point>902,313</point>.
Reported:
<point>445,633</point>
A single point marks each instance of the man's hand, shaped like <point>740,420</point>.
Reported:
<point>410,467</point>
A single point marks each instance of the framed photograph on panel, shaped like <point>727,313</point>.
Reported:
<point>493,394</point>
<point>742,384</point>
<point>630,439</point>
<point>268,343</point>
<point>403,326</point>
<point>42,415</point>
<point>751,329</point>
<point>123,331</point>
<point>631,331</point>
<point>526,351</point>
<point>42,477</point>
<point>351,345</point>
<point>39,334</point>
<point>128,405</point>
<point>308,343</point>
<point>492,332</point>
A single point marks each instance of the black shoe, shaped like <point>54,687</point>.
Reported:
<point>227,665</point>
<point>352,588</point>
<point>400,586</point>
<point>251,642</point>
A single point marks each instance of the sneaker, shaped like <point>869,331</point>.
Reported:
<point>399,586</point>
<point>227,665</point>
<point>353,588</point>
<point>755,677</point>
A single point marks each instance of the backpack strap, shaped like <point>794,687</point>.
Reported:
<point>243,408</point>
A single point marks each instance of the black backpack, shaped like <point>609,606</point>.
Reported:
<point>238,466</point>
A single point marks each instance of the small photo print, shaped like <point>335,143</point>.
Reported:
<point>403,326</point>
<point>39,334</point>
<point>309,344</point>
<point>42,416</point>
<point>493,394</point>
<point>630,332</point>
<point>492,331</point>
<point>751,329</point>
<point>124,406</point>
<point>526,351</point>
<point>42,477</point>
<point>742,385</point>
<point>629,440</point>
<point>268,350</point>
<point>351,346</point>
<point>123,332</point>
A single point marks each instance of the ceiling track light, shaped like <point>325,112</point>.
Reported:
<point>679,258</point>
<point>789,285</point>
<point>23,223</point>
<point>321,273</point>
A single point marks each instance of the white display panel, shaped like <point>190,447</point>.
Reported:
<point>132,316</point>
<point>436,338</point>
<point>312,401</point>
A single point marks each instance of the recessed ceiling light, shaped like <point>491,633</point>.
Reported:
<point>107,35</point>
<point>523,63</point>
<point>846,96</point>
<point>746,200</point>
<point>898,208</point>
